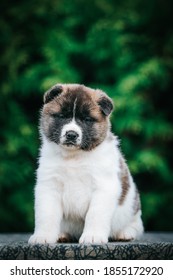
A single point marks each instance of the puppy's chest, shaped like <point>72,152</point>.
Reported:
<point>77,187</point>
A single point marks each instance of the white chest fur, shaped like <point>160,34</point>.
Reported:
<point>77,188</point>
<point>77,177</point>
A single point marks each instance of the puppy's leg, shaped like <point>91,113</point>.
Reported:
<point>48,213</point>
<point>98,218</point>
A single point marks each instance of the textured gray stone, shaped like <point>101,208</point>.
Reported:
<point>150,246</point>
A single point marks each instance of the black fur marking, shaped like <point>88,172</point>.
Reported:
<point>105,105</point>
<point>52,93</point>
<point>56,127</point>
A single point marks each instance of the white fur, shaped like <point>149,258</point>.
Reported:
<point>77,192</point>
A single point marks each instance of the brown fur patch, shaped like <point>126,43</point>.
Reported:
<point>124,178</point>
<point>137,203</point>
<point>65,238</point>
<point>89,96</point>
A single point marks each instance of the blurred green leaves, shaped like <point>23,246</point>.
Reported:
<point>123,47</point>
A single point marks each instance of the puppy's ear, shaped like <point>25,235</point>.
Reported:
<point>52,93</point>
<point>106,105</point>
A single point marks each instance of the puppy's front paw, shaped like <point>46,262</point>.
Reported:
<point>42,239</point>
<point>93,238</point>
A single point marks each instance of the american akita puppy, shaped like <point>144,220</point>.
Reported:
<point>84,188</point>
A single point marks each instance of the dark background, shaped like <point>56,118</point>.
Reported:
<point>124,47</point>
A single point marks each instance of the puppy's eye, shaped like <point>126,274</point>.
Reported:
<point>57,115</point>
<point>89,119</point>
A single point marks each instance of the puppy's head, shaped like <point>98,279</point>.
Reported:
<point>75,116</point>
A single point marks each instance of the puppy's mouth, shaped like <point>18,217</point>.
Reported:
<point>69,143</point>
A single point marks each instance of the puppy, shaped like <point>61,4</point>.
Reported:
<point>84,188</point>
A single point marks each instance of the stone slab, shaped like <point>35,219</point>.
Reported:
<point>151,246</point>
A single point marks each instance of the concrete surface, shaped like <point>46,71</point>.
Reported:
<point>151,246</point>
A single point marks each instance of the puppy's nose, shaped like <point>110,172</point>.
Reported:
<point>71,135</point>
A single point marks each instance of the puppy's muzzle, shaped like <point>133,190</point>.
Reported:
<point>71,135</point>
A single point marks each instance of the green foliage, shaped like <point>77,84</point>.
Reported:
<point>123,47</point>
